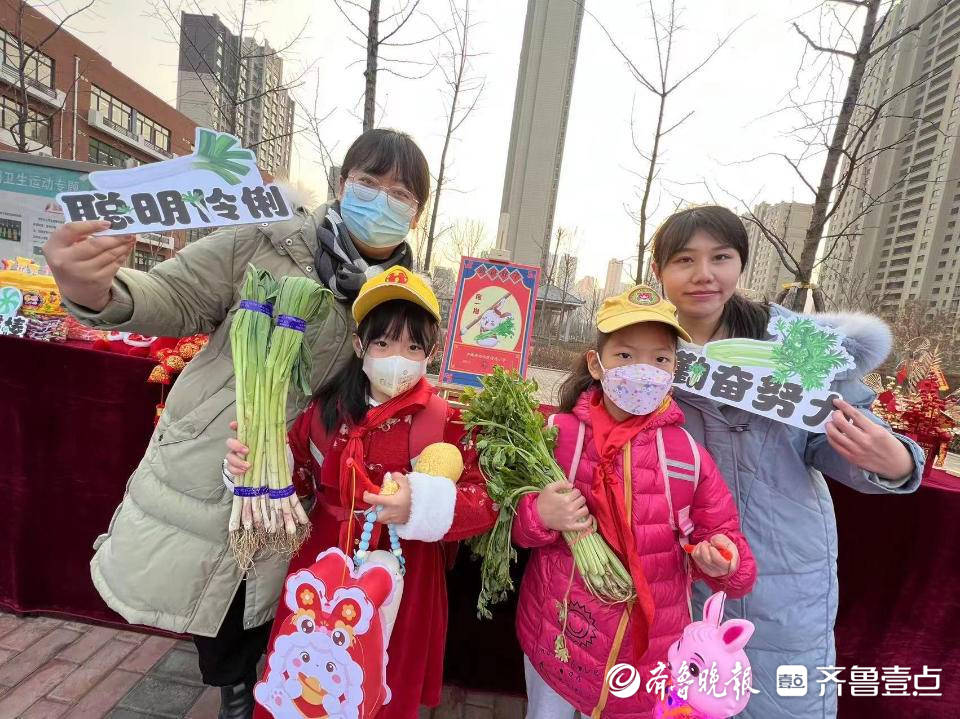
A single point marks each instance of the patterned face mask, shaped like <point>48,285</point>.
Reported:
<point>637,389</point>
<point>393,375</point>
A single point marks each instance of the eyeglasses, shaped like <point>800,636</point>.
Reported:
<point>367,189</point>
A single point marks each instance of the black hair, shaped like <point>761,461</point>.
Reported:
<point>343,398</point>
<point>741,316</point>
<point>579,380</point>
<point>381,151</point>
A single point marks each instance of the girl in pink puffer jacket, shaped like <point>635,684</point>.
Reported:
<point>616,411</point>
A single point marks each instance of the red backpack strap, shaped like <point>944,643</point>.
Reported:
<point>568,453</point>
<point>680,464</point>
<point>428,425</point>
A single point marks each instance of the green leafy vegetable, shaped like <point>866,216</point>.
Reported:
<point>267,360</point>
<point>516,455</point>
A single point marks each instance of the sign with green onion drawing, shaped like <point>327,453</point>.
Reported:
<point>787,378</point>
<point>218,184</point>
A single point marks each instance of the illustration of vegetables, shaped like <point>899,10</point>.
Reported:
<point>804,350</point>
<point>504,329</point>
<point>197,200</point>
<point>215,153</point>
<point>516,454</point>
<point>697,372</point>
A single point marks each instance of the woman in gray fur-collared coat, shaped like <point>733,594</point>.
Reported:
<point>775,471</point>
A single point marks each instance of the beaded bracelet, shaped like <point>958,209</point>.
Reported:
<point>363,550</point>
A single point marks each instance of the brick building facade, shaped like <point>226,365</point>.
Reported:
<point>83,108</point>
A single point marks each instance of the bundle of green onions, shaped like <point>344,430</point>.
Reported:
<point>249,339</point>
<point>269,355</point>
<point>300,300</point>
<point>516,455</point>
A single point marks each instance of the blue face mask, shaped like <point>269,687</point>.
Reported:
<point>376,222</point>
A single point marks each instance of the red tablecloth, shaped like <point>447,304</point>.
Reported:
<point>899,574</point>
<point>939,479</point>
<point>76,423</point>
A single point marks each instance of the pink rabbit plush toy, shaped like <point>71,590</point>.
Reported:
<point>709,671</point>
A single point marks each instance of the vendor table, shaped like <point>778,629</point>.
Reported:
<point>75,423</point>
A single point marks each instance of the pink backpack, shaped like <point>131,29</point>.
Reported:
<point>679,458</point>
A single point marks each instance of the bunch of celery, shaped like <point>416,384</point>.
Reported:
<point>516,456</point>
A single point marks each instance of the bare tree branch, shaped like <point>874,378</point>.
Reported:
<point>821,48</point>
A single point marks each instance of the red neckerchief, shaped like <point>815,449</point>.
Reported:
<point>610,511</point>
<point>353,477</point>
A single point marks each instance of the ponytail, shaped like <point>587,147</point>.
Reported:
<point>742,317</point>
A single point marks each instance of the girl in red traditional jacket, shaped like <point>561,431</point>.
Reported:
<point>652,490</point>
<point>378,413</point>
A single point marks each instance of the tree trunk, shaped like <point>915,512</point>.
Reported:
<point>461,67</point>
<point>370,74</point>
<point>553,265</point>
<point>440,173</point>
<point>20,135</point>
<point>835,151</point>
<point>642,244</point>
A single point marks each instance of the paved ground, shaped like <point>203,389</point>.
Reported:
<point>549,381</point>
<point>51,668</point>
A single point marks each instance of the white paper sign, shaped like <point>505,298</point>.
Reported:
<point>219,184</point>
<point>786,379</point>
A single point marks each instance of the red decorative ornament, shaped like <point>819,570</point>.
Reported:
<point>172,356</point>
<point>159,375</point>
<point>922,414</point>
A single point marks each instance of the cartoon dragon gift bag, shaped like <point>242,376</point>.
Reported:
<point>330,657</point>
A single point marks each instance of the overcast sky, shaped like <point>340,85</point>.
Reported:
<point>732,98</point>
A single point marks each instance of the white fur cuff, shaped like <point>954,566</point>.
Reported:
<point>432,501</point>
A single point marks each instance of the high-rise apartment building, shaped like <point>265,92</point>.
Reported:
<point>237,87</point>
<point>896,230</point>
<point>765,273</point>
<point>544,84</point>
<point>613,283</point>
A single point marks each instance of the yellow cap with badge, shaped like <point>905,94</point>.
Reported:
<point>397,283</point>
<point>638,304</point>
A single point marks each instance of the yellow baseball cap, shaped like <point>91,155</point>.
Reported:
<point>638,304</point>
<point>397,283</point>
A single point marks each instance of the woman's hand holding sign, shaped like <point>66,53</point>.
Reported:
<point>84,264</point>
<point>867,444</point>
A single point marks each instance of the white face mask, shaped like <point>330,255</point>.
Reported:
<point>393,375</point>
